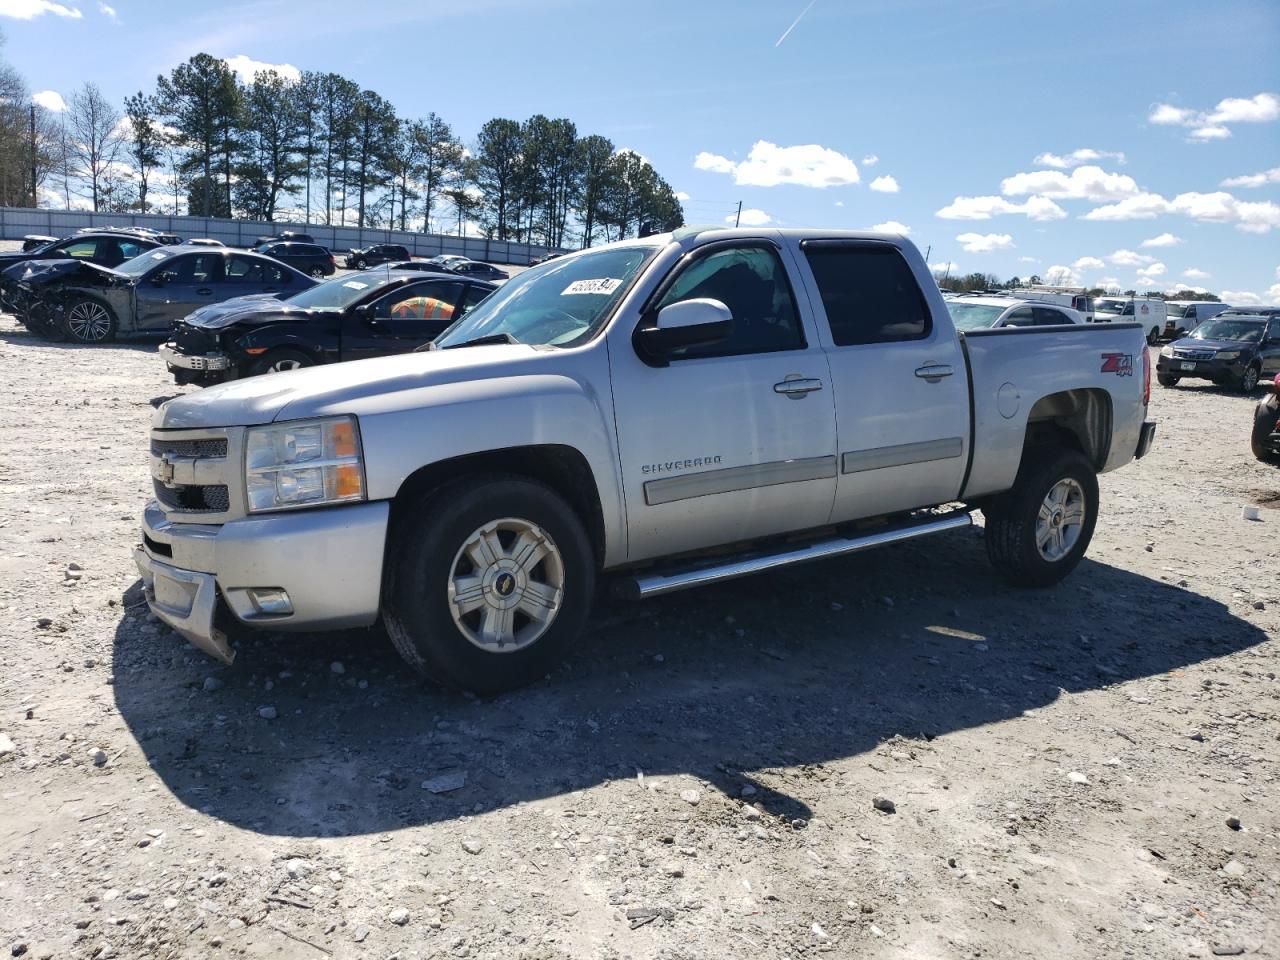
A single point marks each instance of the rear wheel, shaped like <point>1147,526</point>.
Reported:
<point>1153,336</point>
<point>1265,423</point>
<point>280,360</point>
<point>1039,530</point>
<point>1248,381</point>
<point>318,273</point>
<point>491,584</point>
<point>88,321</point>
<point>1167,380</point>
<point>361,263</point>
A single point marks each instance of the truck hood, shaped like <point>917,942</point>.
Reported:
<point>323,390</point>
<point>216,316</point>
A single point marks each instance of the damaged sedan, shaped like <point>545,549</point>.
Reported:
<point>371,314</point>
<point>92,304</point>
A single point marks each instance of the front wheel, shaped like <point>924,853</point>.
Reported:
<point>39,319</point>
<point>1039,530</point>
<point>1248,381</point>
<point>318,273</point>
<point>361,263</point>
<point>1167,380</point>
<point>280,360</point>
<point>491,584</point>
<point>88,321</point>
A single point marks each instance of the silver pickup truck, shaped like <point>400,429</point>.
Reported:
<point>664,412</point>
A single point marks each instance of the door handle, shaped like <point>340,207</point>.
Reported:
<point>205,292</point>
<point>933,372</point>
<point>796,387</point>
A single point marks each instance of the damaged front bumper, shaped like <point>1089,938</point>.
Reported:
<point>304,570</point>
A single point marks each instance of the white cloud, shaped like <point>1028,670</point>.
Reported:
<point>30,9</point>
<point>1142,206</point>
<point>681,196</point>
<point>1156,269</point>
<point>246,68</point>
<point>1109,283</point>
<point>984,242</point>
<point>1273,292</point>
<point>984,208</point>
<point>1167,115</point>
<point>1219,207</point>
<point>1254,179</point>
<point>1076,157</point>
<point>1127,258</point>
<point>1241,298</point>
<point>1083,183</point>
<point>1262,108</point>
<point>884,185</point>
<point>944,267</point>
<point>1211,132</point>
<point>768,165</point>
<point>1028,260</point>
<point>1164,240</point>
<point>1060,276</point>
<point>50,100</point>
<point>1211,124</point>
<point>1088,263</point>
<point>751,217</point>
<point>839,203</point>
<point>892,226</point>
<point>107,11</point>
<point>1194,273</point>
<point>618,151</point>
<point>870,160</point>
<point>1181,287</point>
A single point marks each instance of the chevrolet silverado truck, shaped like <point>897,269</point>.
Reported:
<point>662,413</point>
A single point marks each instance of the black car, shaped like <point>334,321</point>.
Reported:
<point>544,258</point>
<point>91,304</point>
<point>481,271</point>
<point>287,236</point>
<point>147,233</point>
<point>375,255</point>
<point>370,314</point>
<point>309,258</point>
<point>106,248</point>
<point>34,240</point>
<point>1229,349</point>
<point>1265,439</point>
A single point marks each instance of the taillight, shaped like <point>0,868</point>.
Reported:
<point>1146,377</point>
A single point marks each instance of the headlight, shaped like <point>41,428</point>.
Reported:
<point>1166,351</point>
<point>1229,355</point>
<point>303,463</point>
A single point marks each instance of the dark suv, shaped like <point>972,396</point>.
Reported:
<point>310,258</point>
<point>376,255</point>
<point>1229,349</point>
<point>287,236</point>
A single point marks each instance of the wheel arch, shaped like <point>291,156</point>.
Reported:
<point>1080,419</point>
<point>562,468</point>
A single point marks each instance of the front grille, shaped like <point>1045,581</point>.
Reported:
<point>1195,354</point>
<point>189,448</point>
<point>194,499</point>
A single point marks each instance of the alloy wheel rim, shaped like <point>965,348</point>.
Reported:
<point>89,321</point>
<point>1250,378</point>
<point>1060,519</point>
<point>286,364</point>
<point>506,585</point>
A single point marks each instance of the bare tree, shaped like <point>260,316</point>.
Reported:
<point>95,138</point>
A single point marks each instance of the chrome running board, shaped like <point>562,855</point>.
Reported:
<point>642,587</point>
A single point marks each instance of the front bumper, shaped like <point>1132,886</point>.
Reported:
<point>209,361</point>
<point>328,560</point>
<point>1202,369</point>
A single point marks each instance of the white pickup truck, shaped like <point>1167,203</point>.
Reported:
<point>664,412</point>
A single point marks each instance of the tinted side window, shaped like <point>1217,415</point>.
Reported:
<point>129,249</point>
<point>868,293</point>
<point>193,268</point>
<point>81,249</point>
<point>1047,317</point>
<point>474,295</point>
<point>419,301</point>
<point>244,270</point>
<point>1021,317</point>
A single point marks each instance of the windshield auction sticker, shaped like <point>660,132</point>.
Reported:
<point>355,285</point>
<point>602,285</point>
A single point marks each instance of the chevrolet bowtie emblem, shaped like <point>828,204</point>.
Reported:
<point>165,470</point>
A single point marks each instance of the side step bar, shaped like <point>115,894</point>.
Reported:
<point>656,584</point>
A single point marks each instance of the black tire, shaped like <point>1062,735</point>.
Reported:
<point>281,359</point>
<point>318,272</point>
<point>1248,381</point>
<point>1153,336</point>
<point>417,609</point>
<point>1011,534</point>
<point>1167,380</point>
<point>89,321</point>
<point>1264,424</point>
<point>361,263</point>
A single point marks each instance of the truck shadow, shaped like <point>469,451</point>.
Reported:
<point>818,663</point>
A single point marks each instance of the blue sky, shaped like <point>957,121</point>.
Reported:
<point>1019,136</point>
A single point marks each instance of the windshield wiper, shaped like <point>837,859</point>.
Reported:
<point>483,341</point>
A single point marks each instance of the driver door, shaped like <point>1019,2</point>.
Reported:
<point>400,321</point>
<point>177,287</point>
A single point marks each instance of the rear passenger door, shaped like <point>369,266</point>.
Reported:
<point>898,379</point>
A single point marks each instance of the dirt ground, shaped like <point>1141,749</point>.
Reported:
<point>1089,771</point>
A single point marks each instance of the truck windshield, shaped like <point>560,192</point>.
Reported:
<point>560,303</point>
<point>1246,331</point>
<point>974,316</point>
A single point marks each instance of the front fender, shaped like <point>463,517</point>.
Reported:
<point>318,344</point>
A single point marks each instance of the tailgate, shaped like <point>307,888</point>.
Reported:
<point>1095,375</point>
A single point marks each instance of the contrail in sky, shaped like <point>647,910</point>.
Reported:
<point>794,23</point>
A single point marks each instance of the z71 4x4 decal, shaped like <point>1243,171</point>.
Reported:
<point>1121,364</point>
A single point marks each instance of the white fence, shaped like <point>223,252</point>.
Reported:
<point>17,222</point>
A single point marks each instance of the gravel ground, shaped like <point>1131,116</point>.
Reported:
<point>891,755</point>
